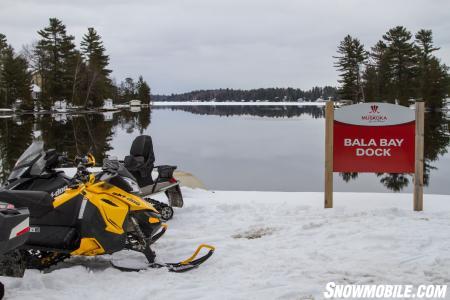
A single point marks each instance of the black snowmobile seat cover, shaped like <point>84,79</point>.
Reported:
<point>141,159</point>
<point>143,146</point>
<point>39,203</point>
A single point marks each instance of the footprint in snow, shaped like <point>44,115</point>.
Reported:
<point>313,225</point>
<point>255,233</point>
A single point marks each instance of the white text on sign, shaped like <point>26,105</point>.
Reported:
<point>372,145</point>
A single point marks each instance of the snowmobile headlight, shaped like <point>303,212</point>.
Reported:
<point>154,220</point>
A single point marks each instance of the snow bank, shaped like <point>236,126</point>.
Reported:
<point>270,245</point>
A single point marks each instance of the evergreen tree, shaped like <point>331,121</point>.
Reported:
<point>438,81</point>
<point>56,54</point>
<point>143,91</point>
<point>128,90</point>
<point>3,42</point>
<point>349,64</point>
<point>432,77</point>
<point>15,79</point>
<point>400,69</point>
<point>377,74</point>
<point>79,80</point>
<point>262,94</point>
<point>370,78</point>
<point>401,58</point>
<point>99,84</point>
<point>3,48</point>
<point>115,91</point>
<point>424,42</point>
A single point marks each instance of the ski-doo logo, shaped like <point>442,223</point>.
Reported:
<point>119,195</point>
<point>374,115</point>
<point>59,191</point>
<point>128,198</point>
<point>133,201</point>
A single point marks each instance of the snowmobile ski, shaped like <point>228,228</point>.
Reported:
<point>180,267</point>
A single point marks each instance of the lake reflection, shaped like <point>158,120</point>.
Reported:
<point>227,147</point>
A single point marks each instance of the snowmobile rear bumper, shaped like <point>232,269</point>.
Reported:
<point>14,228</point>
<point>171,189</point>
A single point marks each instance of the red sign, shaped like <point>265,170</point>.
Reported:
<point>374,137</point>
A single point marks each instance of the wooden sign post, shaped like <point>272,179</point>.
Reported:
<point>329,119</point>
<point>419,151</point>
<point>374,138</point>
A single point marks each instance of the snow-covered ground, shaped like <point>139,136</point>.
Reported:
<point>270,245</point>
<point>234,103</point>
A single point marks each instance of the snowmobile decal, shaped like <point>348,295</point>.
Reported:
<point>20,228</point>
<point>59,191</point>
<point>83,207</point>
<point>89,247</point>
<point>35,229</point>
<point>68,194</point>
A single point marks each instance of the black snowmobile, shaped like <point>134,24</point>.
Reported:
<point>140,163</point>
<point>37,170</point>
<point>14,231</point>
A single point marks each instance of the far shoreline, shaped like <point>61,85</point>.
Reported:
<point>235,103</point>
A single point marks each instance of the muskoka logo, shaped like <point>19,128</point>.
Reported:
<point>374,109</point>
<point>374,115</point>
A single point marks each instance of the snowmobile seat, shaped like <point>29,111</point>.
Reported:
<point>141,160</point>
<point>39,203</point>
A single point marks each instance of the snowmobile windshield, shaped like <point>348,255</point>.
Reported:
<point>120,177</point>
<point>27,160</point>
<point>33,151</point>
<point>32,160</point>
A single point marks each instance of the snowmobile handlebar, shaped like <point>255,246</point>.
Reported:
<point>86,161</point>
<point>83,175</point>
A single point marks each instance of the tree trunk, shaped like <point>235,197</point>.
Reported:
<point>89,89</point>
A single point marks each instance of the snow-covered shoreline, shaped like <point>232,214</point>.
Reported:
<point>234,103</point>
<point>270,245</point>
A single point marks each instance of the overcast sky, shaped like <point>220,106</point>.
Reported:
<point>200,44</point>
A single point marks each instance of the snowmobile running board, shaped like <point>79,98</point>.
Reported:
<point>184,266</point>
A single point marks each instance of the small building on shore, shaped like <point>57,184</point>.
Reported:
<point>108,104</point>
<point>135,103</point>
<point>35,91</point>
<point>60,106</point>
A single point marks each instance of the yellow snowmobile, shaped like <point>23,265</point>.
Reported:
<point>98,214</point>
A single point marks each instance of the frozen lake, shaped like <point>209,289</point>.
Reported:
<point>264,148</point>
